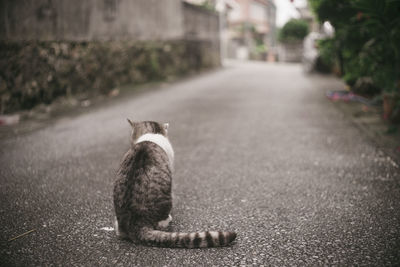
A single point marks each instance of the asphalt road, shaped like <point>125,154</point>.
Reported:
<point>259,150</point>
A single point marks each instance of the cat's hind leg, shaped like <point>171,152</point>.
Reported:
<point>164,223</point>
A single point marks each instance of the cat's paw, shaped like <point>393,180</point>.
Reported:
<point>164,223</point>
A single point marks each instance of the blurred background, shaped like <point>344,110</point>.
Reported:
<point>85,48</point>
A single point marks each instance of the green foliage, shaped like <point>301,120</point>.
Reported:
<point>354,72</point>
<point>261,48</point>
<point>38,72</point>
<point>208,5</point>
<point>335,11</point>
<point>293,31</point>
<point>327,51</point>
<point>379,21</point>
<point>367,39</point>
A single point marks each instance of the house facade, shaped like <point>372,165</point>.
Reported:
<point>251,29</point>
<point>248,28</point>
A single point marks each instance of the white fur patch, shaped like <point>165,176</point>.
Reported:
<point>214,235</point>
<point>119,234</point>
<point>162,142</point>
<point>164,223</point>
<point>202,235</point>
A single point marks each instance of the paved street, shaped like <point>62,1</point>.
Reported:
<point>259,150</point>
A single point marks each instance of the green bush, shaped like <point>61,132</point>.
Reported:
<point>293,31</point>
<point>366,41</point>
<point>327,51</point>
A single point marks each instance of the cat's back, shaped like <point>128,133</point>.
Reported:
<point>143,157</point>
<point>149,154</point>
<point>143,179</point>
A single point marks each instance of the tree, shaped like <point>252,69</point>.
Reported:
<point>293,31</point>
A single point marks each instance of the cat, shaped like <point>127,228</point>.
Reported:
<point>142,193</point>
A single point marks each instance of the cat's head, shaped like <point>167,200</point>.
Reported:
<point>145,127</point>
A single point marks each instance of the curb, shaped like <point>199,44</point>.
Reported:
<point>384,142</point>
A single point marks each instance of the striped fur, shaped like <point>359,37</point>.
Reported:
<point>142,193</point>
<point>185,240</point>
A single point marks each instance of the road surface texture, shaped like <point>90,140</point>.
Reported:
<point>259,150</point>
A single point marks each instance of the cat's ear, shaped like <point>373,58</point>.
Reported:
<point>130,122</point>
<point>166,125</point>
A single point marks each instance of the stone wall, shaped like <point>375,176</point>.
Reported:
<point>37,72</point>
<point>59,49</point>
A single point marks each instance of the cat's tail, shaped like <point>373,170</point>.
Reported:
<point>186,240</point>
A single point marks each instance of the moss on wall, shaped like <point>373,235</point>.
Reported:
<point>38,72</point>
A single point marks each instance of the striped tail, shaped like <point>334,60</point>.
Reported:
<point>186,240</point>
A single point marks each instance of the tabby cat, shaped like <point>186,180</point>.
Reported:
<point>142,193</point>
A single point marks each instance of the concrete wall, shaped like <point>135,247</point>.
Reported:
<point>200,23</point>
<point>290,52</point>
<point>88,20</point>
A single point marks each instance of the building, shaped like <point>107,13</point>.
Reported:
<point>248,28</point>
<point>252,29</point>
